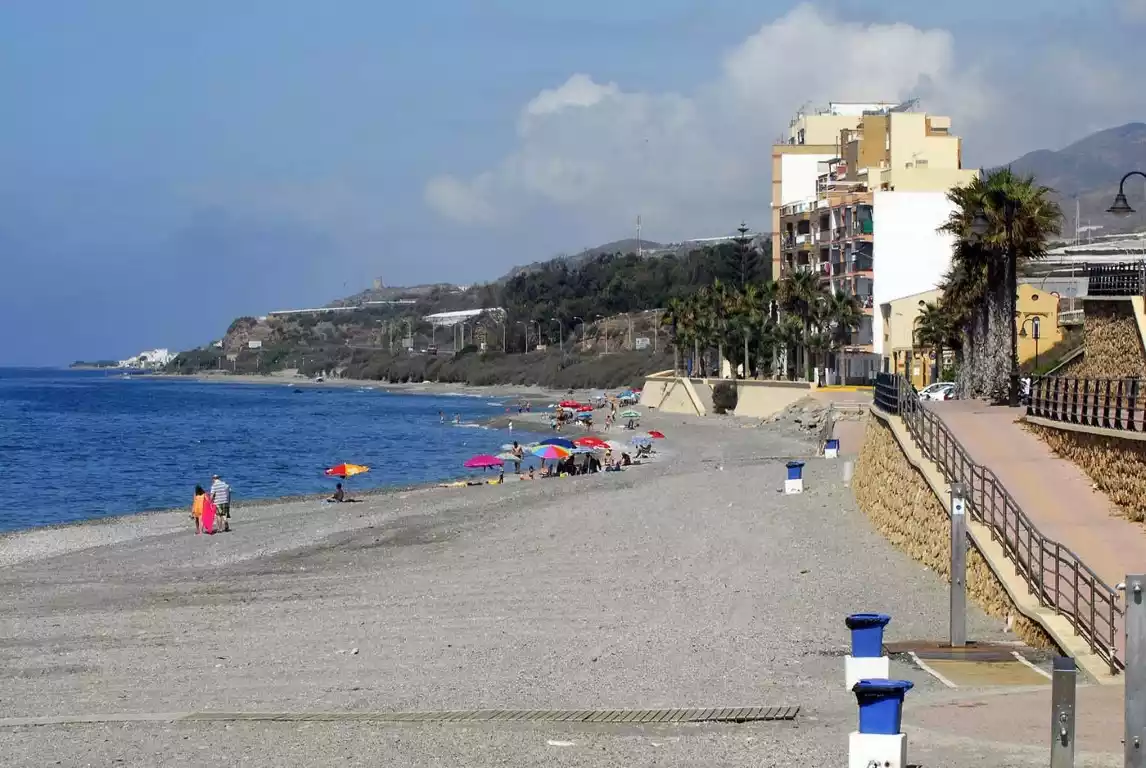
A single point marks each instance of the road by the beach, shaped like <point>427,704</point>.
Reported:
<point>690,582</point>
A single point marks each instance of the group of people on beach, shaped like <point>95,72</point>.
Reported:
<point>212,508</point>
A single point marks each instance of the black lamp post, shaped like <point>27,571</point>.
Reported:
<point>1034,322</point>
<point>1120,206</point>
<point>980,226</point>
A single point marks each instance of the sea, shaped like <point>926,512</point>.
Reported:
<point>80,445</point>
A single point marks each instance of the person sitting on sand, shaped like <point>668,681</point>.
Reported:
<point>339,495</point>
<point>197,508</point>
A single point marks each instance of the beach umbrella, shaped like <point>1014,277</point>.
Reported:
<point>641,440</point>
<point>589,441</point>
<point>584,417</point>
<point>483,461</point>
<point>583,408</point>
<point>630,414</point>
<point>548,452</point>
<point>569,404</point>
<point>561,442</point>
<point>346,470</point>
<point>656,434</point>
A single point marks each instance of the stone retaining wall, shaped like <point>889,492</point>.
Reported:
<point>1117,466</point>
<point>1112,342</point>
<point>901,505</point>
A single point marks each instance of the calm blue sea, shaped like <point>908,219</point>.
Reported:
<point>77,445</point>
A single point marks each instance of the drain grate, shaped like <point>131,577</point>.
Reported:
<point>633,716</point>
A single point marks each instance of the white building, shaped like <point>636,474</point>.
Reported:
<point>149,359</point>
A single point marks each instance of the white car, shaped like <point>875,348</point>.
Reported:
<point>940,390</point>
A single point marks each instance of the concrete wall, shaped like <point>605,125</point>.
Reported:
<point>761,399</point>
<point>756,399</point>
<point>910,256</point>
<point>903,507</point>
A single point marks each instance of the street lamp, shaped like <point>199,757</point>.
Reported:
<point>525,325</point>
<point>1120,206</point>
<point>602,317</point>
<point>538,324</point>
<point>575,319</point>
<point>1034,321</point>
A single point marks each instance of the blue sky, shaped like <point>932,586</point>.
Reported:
<point>169,166</point>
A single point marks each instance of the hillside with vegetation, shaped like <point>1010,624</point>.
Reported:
<point>564,324</point>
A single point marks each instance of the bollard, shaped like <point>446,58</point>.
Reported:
<point>831,448</point>
<point>849,470</point>
<point>879,740</point>
<point>866,660</point>
<point>1135,704</point>
<point>1062,712</point>
<point>795,480</point>
<point>957,626</point>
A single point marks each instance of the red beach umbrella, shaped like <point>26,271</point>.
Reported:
<point>569,404</point>
<point>590,442</point>
<point>657,434</point>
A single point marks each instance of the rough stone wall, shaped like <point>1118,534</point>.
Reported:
<point>902,507</point>
<point>1112,342</point>
<point>1117,467</point>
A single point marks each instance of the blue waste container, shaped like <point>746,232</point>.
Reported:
<point>867,633</point>
<point>795,469</point>
<point>833,444</point>
<point>881,705</point>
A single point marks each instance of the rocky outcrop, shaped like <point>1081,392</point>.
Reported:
<point>902,506</point>
<point>1117,466</point>
<point>1112,343</point>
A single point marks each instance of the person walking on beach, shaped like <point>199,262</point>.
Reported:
<point>221,495</point>
<point>197,508</point>
<point>518,456</point>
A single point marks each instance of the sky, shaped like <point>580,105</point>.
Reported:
<point>167,167</point>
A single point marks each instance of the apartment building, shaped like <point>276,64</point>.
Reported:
<point>863,213</point>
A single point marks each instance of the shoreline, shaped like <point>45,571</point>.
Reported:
<point>529,392</point>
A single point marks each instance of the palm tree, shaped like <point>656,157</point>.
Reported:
<point>1016,217</point>
<point>749,310</point>
<point>720,302</point>
<point>798,295</point>
<point>933,330</point>
<point>672,320</point>
<point>843,316</point>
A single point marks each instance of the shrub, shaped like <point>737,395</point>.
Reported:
<point>724,397</point>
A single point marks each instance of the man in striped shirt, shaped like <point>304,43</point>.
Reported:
<point>221,495</point>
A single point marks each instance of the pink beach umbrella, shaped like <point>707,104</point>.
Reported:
<point>483,461</point>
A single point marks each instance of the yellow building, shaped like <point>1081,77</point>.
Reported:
<point>907,358</point>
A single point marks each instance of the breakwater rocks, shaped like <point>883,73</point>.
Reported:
<point>901,505</point>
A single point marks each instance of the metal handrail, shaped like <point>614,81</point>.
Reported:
<point>1052,572</point>
<point>1118,404</point>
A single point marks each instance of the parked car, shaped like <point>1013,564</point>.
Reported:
<point>940,390</point>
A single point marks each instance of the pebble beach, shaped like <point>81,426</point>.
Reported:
<point>690,581</point>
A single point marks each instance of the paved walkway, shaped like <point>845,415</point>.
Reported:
<point>1054,493</point>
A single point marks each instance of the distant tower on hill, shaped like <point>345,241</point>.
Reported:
<point>377,283</point>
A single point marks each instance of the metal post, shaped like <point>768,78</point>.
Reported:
<point>958,619</point>
<point>1135,714</point>
<point>1062,712</point>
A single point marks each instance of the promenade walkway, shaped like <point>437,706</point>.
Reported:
<point>1054,493</point>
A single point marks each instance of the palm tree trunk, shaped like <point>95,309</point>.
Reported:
<point>720,359</point>
<point>696,357</point>
<point>746,353</point>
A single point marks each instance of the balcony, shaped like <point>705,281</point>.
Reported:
<point>803,239</point>
<point>860,264</point>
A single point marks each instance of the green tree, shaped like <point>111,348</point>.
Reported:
<point>799,293</point>
<point>934,330</point>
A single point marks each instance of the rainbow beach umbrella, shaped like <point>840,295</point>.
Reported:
<point>550,452</point>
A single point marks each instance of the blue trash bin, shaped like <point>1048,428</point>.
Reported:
<point>881,705</point>
<point>867,633</point>
<point>795,470</point>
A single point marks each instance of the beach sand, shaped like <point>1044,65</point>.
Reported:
<point>688,582</point>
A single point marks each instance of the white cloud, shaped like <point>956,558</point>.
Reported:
<point>697,163</point>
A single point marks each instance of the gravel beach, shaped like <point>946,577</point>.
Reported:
<point>687,582</point>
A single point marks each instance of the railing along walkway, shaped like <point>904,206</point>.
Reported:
<point>1118,404</point>
<point>1057,576</point>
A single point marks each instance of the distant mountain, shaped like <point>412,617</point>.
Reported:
<point>1089,170</point>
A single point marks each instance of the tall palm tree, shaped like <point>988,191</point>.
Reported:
<point>1020,217</point>
<point>843,316</point>
<point>933,331</point>
<point>798,295</point>
<point>721,303</point>
<point>747,317</point>
<point>672,320</point>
